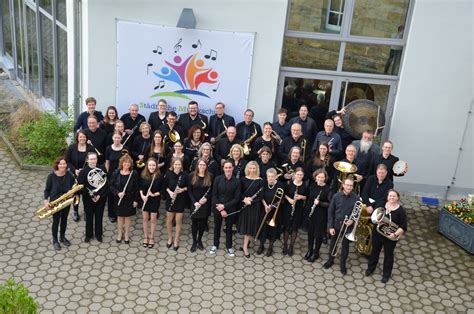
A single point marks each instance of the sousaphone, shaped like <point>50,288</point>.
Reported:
<point>362,115</point>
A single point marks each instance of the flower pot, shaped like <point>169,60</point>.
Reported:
<point>456,230</point>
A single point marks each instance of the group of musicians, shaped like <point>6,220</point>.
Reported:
<point>264,184</point>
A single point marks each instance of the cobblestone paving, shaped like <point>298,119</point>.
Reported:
<point>430,273</point>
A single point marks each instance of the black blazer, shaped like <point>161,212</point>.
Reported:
<point>215,124</point>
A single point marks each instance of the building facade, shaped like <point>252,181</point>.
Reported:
<point>413,58</point>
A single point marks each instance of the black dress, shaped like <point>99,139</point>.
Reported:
<point>191,150</point>
<point>113,156</point>
<point>239,168</point>
<point>293,223</point>
<point>117,184</point>
<point>184,159</point>
<point>268,195</point>
<point>171,181</point>
<point>318,221</point>
<point>160,158</point>
<point>251,216</point>
<point>153,203</point>
<point>196,192</point>
<point>211,166</point>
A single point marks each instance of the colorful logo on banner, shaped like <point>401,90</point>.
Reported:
<point>188,73</point>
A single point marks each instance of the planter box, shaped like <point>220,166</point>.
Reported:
<point>456,230</point>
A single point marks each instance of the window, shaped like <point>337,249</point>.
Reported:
<point>367,58</point>
<point>310,53</point>
<point>61,11</point>
<point>7,29</point>
<point>47,61</point>
<point>322,16</point>
<point>20,51</point>
<point>32,44</point>
<point>62,64</point>
<point>335,12</point>
<point>46,5</point>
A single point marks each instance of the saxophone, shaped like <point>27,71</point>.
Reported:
<point>246,144</point>
<point>62,202</point>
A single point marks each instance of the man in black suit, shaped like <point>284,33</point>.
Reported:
<point>131,121</point>
<point>166,128</point>
<point>247,128</point>
<point>219,122</point>
<point>193,117</point>
<point>158,118</point>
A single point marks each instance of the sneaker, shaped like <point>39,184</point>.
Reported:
<point>213,250</point>
<point>230,252</point>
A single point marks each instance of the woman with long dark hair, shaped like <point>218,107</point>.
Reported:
<point>157,150</point>
<point>193,142</point>
<point>150,192</point>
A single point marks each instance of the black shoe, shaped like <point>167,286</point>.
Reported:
<point>118,240</point>
<point>126,241</point>
<point>76,217</point>
<point>325,240</point>
<point>56,245</point>
<point>168,245</point>
<point>313,257</point>
<point>269,251</point>
<point>284,251</point>
<point>290,250</point>
<point>384,279</point>
<point>87,240</point>
<point>343,270</point>
<point>200,245</point>
<point>176,248</point>
<point>193,248</point>
<point>65,241</point>
<point>308,255</point>
<point>247,256</point>
<point>99,239</point>
<point>328,264</point>
<point>369,272</point>
<point>260,250</point>
<point>112,220</point>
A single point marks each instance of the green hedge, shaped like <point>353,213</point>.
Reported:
<point>14,299</point>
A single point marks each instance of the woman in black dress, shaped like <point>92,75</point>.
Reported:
<point>59,181</point>
<point>176,184</point>
<point>292,163</point>
<point>193,142</point>
<point>178,152</point>
<point>394,212</point>
<point>264,161</point>
<point>124,186</point>
<point>141,145</point>
<point>76,156</point>
<point>322,160</point>
<point>251,214</point>
<point>200,191</point>
<point>205,152</point>
<point>316,214</point>
<point>113,153</point>
<point>157,150</point>
<point>237,158</point>
<point>108,124</point>
<point>150,193</point>
<point>295,196</point>
<point>93,196</point>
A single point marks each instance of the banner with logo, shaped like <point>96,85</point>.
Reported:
<point>180,65</point>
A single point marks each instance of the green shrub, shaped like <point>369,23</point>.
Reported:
<point>14,299</point>
<point>44,139</point>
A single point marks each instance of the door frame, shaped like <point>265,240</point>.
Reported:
<point>336,86</point>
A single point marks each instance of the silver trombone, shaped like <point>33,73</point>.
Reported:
<point>355,216</point>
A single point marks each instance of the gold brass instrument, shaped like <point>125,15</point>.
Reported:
<point>385,226</point>
<point>287,170</point>
<point>363,233</point>
<point>246,144</point>
<point>140,164</point>
<point>276,137</point>
<point>346,170</point>
<point>303,150</point>
<point>204,126</point>
<point>222,134</point>
<point>62,202</point>
<point>355,215</point>
<point>280,172</point>
<point>276,201</point>
<point>173,136</point>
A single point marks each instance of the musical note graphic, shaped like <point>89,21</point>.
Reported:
<point>158,50</point>
<point>148,67</point>
<point>178,45</point>
<point>215,89</point>
<point>198,44</point>
<point>160,85</point>
<point>212,55</point>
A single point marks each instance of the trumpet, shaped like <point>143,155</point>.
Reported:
<point>355,215</point>
<point>385,226</point>
<point>276,137</point>
<point>276,201</point>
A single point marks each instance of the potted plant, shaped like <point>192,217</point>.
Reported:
<point>456,222</point>
<point>14,299</point>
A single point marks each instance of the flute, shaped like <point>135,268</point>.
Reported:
<point>125,188</point>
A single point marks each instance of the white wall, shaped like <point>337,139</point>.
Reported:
<point>434,96</point>
<point>264,17</point>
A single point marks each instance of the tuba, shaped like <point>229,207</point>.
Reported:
<point>62,202</point>
<point>346,170</point>
<point>246,144</point>
<point>363,234</point>
<point>355,215</point>
<point>385,226</point>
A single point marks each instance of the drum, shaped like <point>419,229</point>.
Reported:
<point>400,168</point>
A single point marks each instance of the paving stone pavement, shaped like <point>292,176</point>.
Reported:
<point>430,273</point>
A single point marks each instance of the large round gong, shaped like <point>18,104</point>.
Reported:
<point>362,115</point>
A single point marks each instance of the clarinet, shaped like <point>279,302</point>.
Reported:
<point>133,131</point>
<point>293,207</point>
<point>314,206</point>
<point>204,196</point>
<point>174,199</point>
<point>252,197</point>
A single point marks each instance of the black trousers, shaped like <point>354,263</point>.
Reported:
<point>198,226</point>
<point>111,205</point>
<point>60,218</point>
<point>344,248</point>
<point>229,221</point>
<point>94,212</point>
<point>379,242</point>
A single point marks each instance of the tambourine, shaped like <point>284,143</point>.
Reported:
<point>400,168</point>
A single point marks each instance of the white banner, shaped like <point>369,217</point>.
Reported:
<point>181,65</point>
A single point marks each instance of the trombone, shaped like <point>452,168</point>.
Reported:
<point>276,201</point>
<point>355,215</point>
